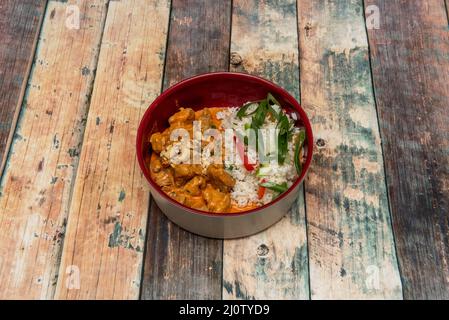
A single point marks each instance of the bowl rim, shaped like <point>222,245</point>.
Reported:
<point>295,104</point>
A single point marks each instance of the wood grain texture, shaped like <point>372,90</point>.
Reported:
<point>108,215</point>
<point>41,165</point>
<point>351,247</point>
<point>410,61</point>
<point>178,264</point>
<point>273,263</point>
<point>20,23</point>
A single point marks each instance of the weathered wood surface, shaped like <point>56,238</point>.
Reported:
<point>273,263</point>
<point>351,248</point>
<point>178,264</point>
<point>348,237</point>
<point>107,223</point>
<point>410,63</point>
<point>44,154</point>
<point>20,22</point>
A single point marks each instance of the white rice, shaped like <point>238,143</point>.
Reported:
<point>245,191</point>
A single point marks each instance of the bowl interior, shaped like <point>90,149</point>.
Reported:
<point>223,89</point>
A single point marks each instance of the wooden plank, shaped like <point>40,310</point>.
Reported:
<point>178,264</point>
<point>273,263</point>
<point>43,158</point>
<point>410,62</point>
<point>20,22</point>
<point>108,214</point>
<point>351,245</point>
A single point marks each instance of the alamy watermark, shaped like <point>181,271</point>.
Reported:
<point>230,146</point>
<point>372,17</point>
<point>73,19</point>
<point>372,280</point>
<point>73,277</point>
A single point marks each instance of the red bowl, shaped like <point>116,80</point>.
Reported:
<point>221,89</point>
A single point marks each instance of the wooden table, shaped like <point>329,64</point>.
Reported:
<point>76,217</point>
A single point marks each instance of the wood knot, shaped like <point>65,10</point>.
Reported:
<point>40,165</point>
<point>85,71</point>
<point>320,143</point>
<point>262,250</point>
<point>236,59</point>
<point>308,27</point>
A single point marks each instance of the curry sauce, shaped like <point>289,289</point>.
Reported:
<point>206,189</point>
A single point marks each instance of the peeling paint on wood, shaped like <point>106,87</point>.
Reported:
<point>272,264</point>
<point>34,207</point>
<point>121,196</point>
<point>129,75</point>
<point>351,247</point>
<point>120,237</point>
<point>411,77</point>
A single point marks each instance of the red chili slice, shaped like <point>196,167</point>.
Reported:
<point>261,192</point>
<point>243,154</point>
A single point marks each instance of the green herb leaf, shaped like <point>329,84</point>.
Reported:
<point>242,111</point>
<point>260,115</point>
<point>260,147</point>
<point>283,124</point>
<point>283,137</point>
<point>258,119</point>
<point>272,100</point>
<point>275,187</point>
<point>282,149</point>
<point>299,145</point>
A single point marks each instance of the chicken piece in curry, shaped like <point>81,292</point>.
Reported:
<point>206,189</point>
